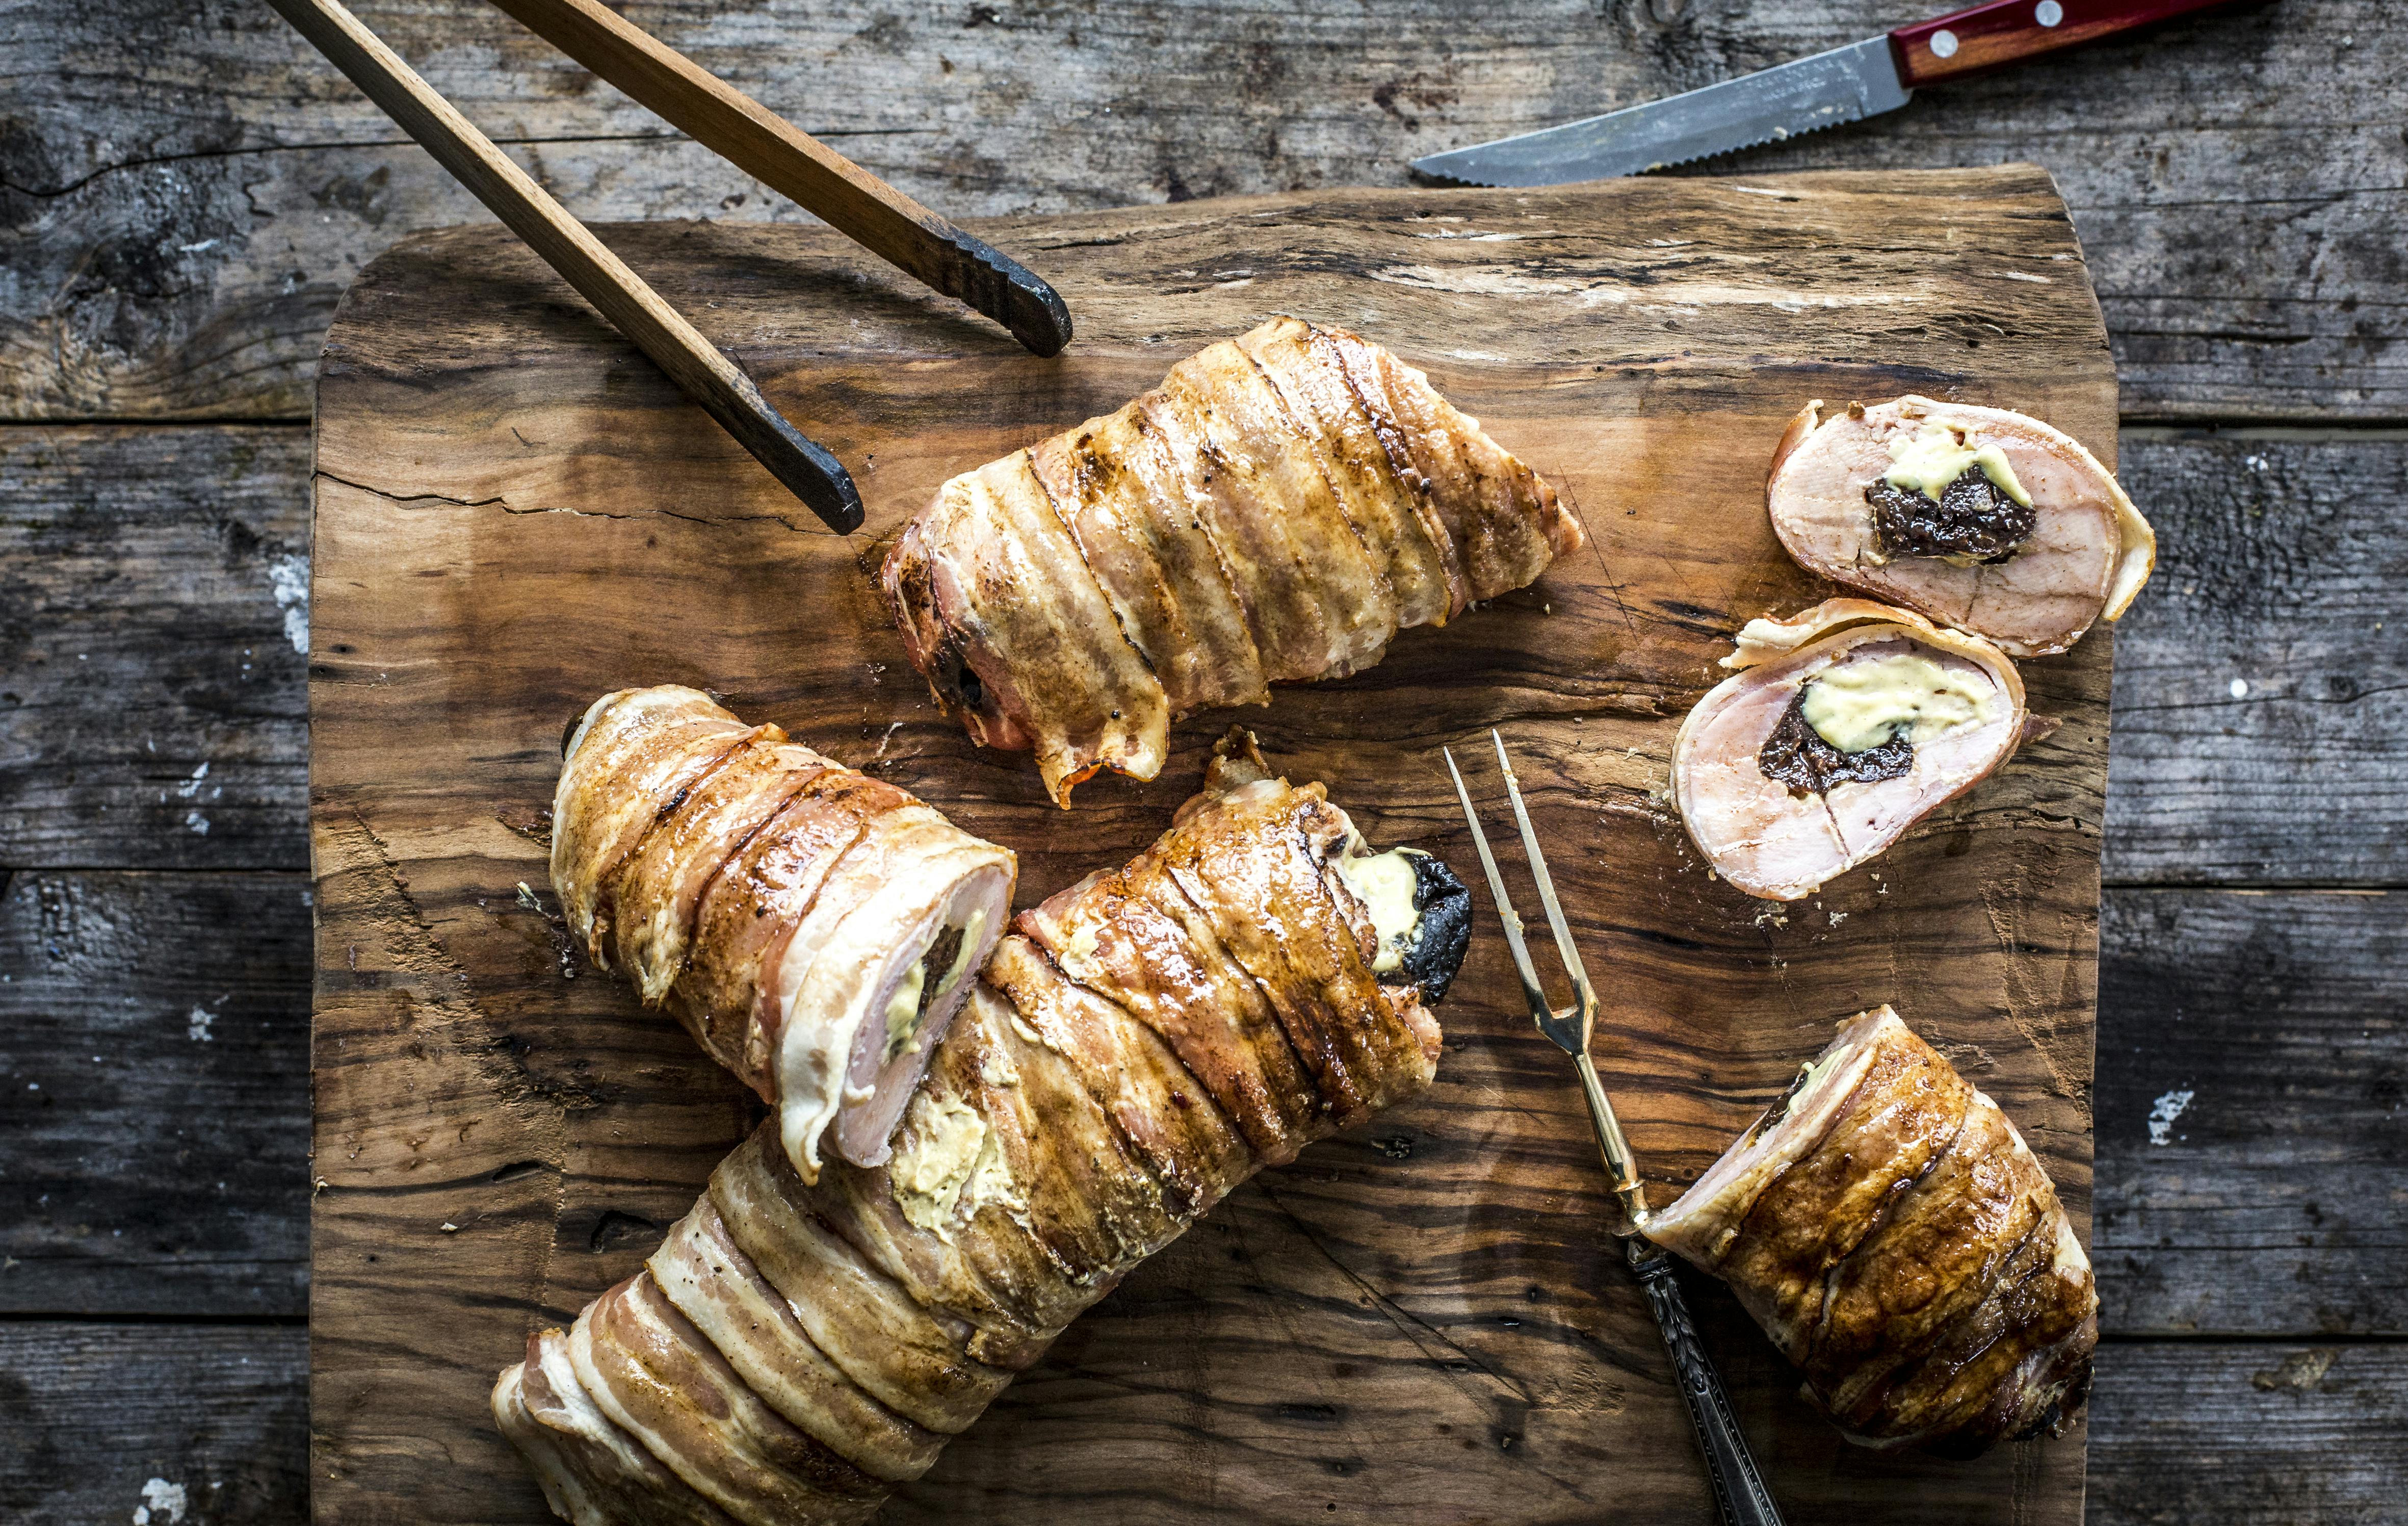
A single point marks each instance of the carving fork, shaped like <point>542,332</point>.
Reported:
<point>1739,1487</point>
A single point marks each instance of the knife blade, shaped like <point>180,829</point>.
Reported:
<point>1807,94</point>
<point>1845,84</point>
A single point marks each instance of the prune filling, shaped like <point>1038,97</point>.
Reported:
<point>1796,754</point>
<point>1972,518</point>
<point>962,680</point>
<point>1441,933</point>
<point>937,963</point>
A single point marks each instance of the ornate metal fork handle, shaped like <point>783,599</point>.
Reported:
<point>1739,1487</point>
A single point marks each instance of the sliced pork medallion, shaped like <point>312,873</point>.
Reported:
<point>1897,1241</point>
<point>1981,518</point>
<point>1134,1049</point>
<point>1847,723</point>
<point>1275,512</point>
<point>815,928</point>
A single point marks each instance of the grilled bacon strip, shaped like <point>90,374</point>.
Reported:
<point>1274,513</point>
<point>1898,1242</point>
<point>798,1348</point>
<point>815,928</point>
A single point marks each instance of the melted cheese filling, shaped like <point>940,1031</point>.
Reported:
<point>1809,1075</point>
<point>930,1172</point>
<point>1865,703</point>
<point>1384,884</point>
<point>903,1008</point>
<point>950,1165</point>
<point>1937,456</point>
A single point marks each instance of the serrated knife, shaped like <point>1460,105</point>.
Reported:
<point>1846,84</point>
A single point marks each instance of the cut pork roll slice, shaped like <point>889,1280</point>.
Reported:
<point>1135,1048</point>
<point>1981,518</point>
<point>1896,1238</point>
<point>1275,512</point>
<point>1848,723</point>
<point>814,927</point>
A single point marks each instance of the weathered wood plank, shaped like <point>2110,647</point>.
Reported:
<point>152,703</point>
<point>153,1094</point>
<point>185,191</point>
<point>2253,1057</point>
<point>2248,1435</point>
<point>2261,682</point>
<point>161,1425</point>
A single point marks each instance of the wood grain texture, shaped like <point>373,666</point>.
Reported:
<point>152,703</point>
<point>2209,1432</point>
<point>105,1420</point>
<point>185,191</point>
<point>513,515</point>
<point>2270,1028</point>
<point>153,1036</point>
<point>2274,628</point>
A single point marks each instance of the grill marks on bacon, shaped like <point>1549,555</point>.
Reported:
<point>769,898</point>
<point>1274,513</point>
<point>794,1349</point>
<point>1145,543</point>
<point>1897,1241</point>
<point>759,896</point>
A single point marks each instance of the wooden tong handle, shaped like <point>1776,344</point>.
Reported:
<point>659,330</point>
<point>800,167</point>
<point>2009,31</point>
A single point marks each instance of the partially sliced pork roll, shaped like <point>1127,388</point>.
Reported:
<point>1848,723</point>
<point>1898,1242</point>
<point>1137,1048</point>
<point>815,928</point>
<point>1981,518</point>
<point>1274,513</point>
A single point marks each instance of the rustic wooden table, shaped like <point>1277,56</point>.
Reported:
<point>185,191</point>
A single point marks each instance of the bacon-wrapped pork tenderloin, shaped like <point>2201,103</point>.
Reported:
<point>1897,1241</point>
<point>1848,723</point>
<point>1981,518</point>
<point>814,927</point>
<point>1277,509</point>
<point>1137,1048</point>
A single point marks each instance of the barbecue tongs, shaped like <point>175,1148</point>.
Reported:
<point>1739,1488</point>
<point>758,141</point>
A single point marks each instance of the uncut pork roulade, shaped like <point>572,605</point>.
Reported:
<point>1277,509</point>
<point>1849,723</point>
<point>815,928</point>
<point>1898,1242</point>
<point>1980,518</point>
<point>1137,1046</point>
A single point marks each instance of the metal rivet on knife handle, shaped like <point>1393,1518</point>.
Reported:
<point>1991,36</point>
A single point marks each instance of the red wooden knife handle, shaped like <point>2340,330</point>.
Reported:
<point>2009,31</point>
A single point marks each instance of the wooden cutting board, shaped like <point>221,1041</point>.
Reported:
<point>1421,1322</point>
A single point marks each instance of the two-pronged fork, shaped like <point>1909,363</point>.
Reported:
<point>1739,1488</point>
